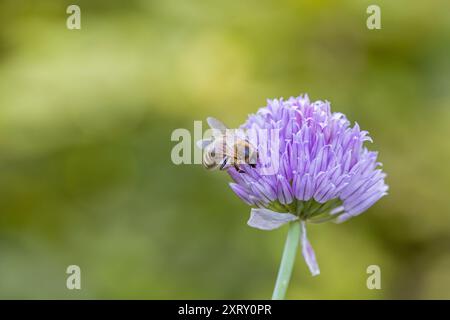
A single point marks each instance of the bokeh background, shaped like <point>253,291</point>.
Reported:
<point>86,118</point>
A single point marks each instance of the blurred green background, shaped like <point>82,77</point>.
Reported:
<point>86,118</point>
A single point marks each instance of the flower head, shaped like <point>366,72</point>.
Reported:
<point>320,169</point>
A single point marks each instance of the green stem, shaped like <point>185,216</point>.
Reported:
<point>287,261</point>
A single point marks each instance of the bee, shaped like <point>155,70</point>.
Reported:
<point>224,150</point>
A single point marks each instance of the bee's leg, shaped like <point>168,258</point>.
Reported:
<point>223,164</point>
<point>253,165</point>
<point>237,168</point>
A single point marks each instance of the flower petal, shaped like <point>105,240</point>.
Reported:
<point>284,190</point>
<point>241,193</point>
<point>265,219</point>
<point>308,252</point>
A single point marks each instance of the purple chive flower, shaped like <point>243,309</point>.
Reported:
<point>321,169</point>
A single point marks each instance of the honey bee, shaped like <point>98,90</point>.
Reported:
<point>224,150</point>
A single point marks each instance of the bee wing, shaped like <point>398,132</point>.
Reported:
<point>203,143</point>
<point>230,150</point>
<point>216,124</point>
